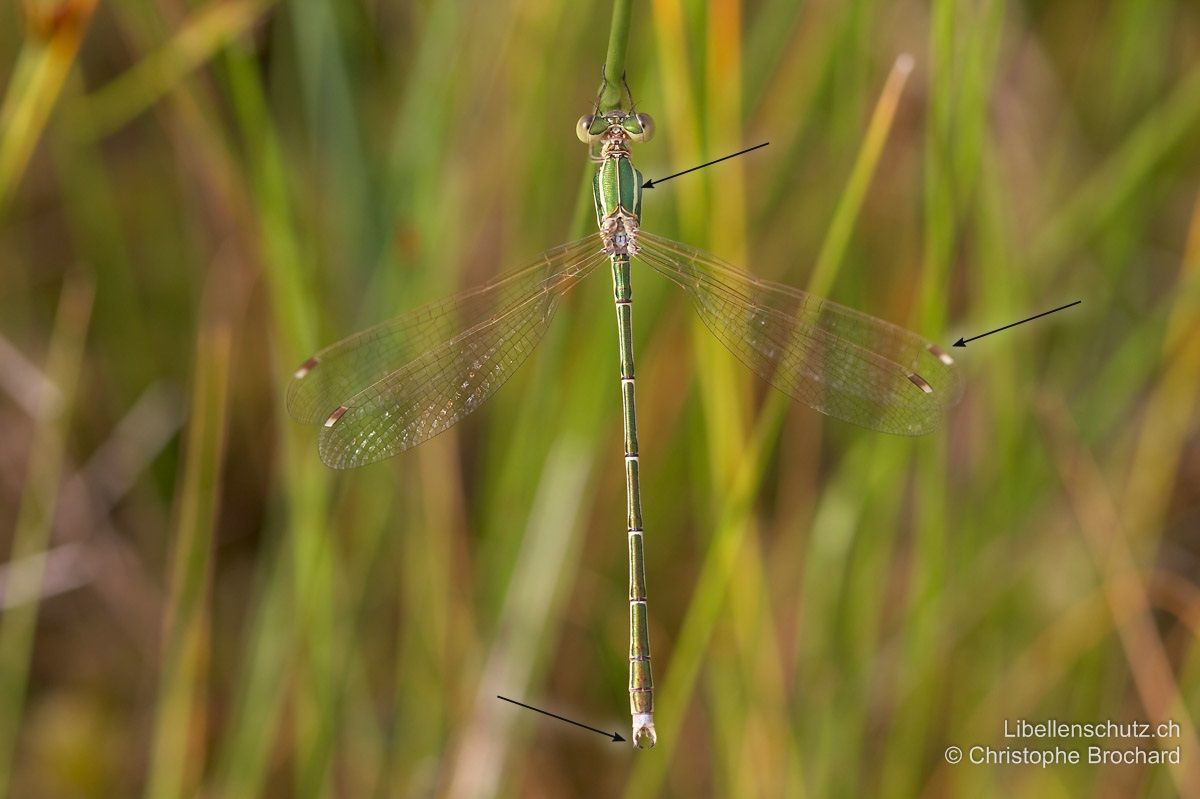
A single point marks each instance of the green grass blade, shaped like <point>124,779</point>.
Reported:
<point>42,67</point>
<point>177,753</point>
<point>36,514</point>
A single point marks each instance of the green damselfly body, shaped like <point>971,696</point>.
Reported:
<point>395,385</point>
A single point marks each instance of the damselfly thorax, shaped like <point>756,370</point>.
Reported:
<point>617,185</point>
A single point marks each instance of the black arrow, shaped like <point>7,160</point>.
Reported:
<point>962,342</point>
<point>649,184</point>
<point>613,735</point>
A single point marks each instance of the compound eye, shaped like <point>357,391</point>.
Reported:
<point>647,126</point>
<point>583,128</point>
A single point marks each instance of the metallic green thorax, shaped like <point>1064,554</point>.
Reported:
<point>617,185</point>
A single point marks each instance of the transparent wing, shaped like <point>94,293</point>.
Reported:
<point>397,384</point>
<point>326,380</point>
<point>834,359</point>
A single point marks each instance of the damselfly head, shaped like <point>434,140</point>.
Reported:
<point>591,127</point>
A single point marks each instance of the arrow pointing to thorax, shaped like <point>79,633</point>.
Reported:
<point>613,736</point>
<point>962,342</point>
<point>649,184</point>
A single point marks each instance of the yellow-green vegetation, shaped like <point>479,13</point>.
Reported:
<point>194,196</point>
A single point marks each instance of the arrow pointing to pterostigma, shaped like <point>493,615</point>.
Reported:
<point>615,737</point>
<point>962,342</point>
<point>649,184</point>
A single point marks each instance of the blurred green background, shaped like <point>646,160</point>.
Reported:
<point>195,196</point>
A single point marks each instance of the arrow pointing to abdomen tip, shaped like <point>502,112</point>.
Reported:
<point>649,184</point>
<point>962,342</point>
<point>613,736</point>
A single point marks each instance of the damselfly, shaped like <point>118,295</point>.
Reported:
<point>400,383</point>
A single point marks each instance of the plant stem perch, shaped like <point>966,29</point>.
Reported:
<point>614,64</point>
